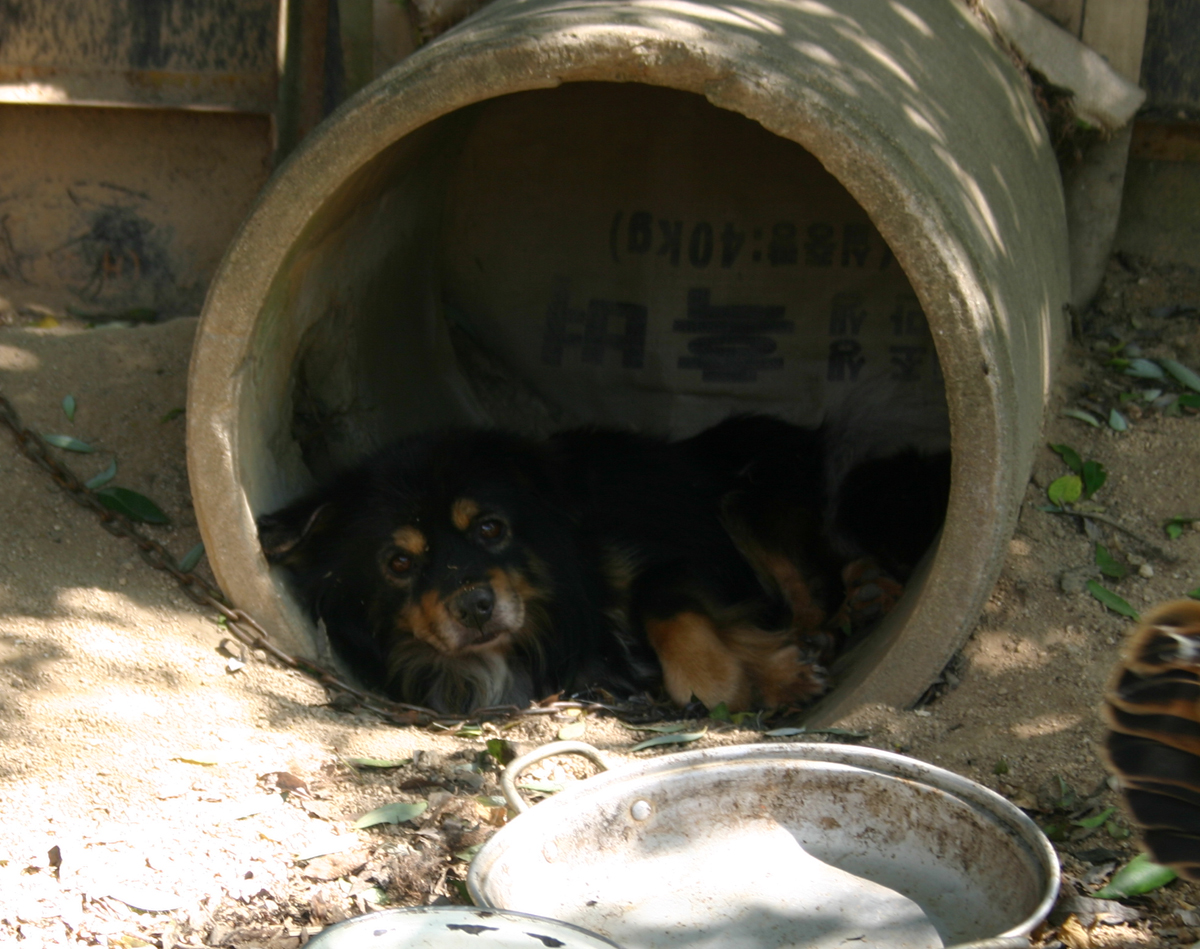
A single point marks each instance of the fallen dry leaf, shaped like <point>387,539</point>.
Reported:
<point>1072,933</point>
<point>333,866</point>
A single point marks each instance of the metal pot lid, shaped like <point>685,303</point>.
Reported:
<point>455,927</point>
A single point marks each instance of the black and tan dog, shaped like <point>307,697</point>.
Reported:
<point>471,568</point>
<point>1152,707</point>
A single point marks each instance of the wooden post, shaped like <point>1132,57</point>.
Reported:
<point>302,72</point>
<point>1116,29</point>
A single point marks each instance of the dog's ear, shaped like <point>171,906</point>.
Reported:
<point>289,534</point>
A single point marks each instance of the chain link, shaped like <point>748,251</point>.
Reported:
<point>244,627</point>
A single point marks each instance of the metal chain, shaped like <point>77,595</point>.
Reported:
<point>243,626</point>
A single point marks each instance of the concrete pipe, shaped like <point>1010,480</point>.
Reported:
<point>654,213</point>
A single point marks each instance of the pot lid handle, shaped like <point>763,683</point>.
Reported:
<point>508,778</point>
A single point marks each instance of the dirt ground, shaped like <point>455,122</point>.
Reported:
<point>155,792</point>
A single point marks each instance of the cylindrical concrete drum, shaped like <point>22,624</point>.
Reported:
<point>654,214</point>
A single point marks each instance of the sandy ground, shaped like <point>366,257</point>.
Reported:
<point>155,793</point>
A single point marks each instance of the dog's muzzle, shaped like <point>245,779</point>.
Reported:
<point>473,607</point>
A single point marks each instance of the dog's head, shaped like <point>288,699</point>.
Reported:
<point>433,555</point>
<point>463,580</point>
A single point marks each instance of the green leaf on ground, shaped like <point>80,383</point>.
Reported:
<point>667,729</point>
<point>541,787</point>
<point>497,748</point>
<point>1082,416</point>
<point>1056,831</point>
<point>1109,566</point>
<point>201,758</point>
<point>738,718</point>
<point>1070,457</point>
<point>1094,475</point>
<point>1091,823</point>
<point>136,507</point>
<point>1144,369</point>
<point>1116,830</point>
<point>679,738</point>
<point>396,813</point>
<point>105,476</point>
<point>1068,798</point>
<point>1111,600</point>
<point>788,732</point>
<point>68,443</point>
<point>1117,421</point>
<point>1176,526</point>
<point>191,558</point>
<point>1182,374</point>
<point>1065,490</point>
<point>1190,400</point>
<point>1140,875</point>
<point>378,762</point>
<point>68,404</point>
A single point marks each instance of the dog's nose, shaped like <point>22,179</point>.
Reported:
<point>474,607</point>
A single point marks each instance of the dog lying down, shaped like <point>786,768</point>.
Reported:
<point>469,568</point>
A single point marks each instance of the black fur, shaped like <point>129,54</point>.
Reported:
<point>603,532</point>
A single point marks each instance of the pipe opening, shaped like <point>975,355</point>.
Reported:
<point>593,254</point>
<point>609,254</point>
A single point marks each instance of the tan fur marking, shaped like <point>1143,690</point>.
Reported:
<point>696,662</point>
<point>778,670</point>
<point>518,600</point>
<point>462,512</point>
<point>740,665</point>
<point>426,619</point>
<point>1179,620</point>
<point>806,614</point>
<point>410,540</point>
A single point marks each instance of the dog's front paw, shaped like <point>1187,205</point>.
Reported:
<point>789,677</point>
<point>870,595</point>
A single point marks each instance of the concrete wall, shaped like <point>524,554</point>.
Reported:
<point>135,136</point>
<point>107,209</point>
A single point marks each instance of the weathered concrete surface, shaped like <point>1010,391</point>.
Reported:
<point>104,210</point>
<point>907,104</point>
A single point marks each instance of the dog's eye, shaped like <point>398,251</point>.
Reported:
<point>491,528</point>
<point>400,564</point>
